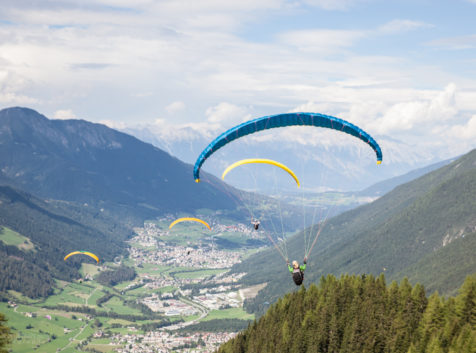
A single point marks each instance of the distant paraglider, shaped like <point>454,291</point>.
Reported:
<point>255,223</point>
<point>193,219</point>
<point>90,254</point>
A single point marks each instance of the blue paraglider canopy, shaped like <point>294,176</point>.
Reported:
<point>283,120</point>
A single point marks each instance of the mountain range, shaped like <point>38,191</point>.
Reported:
<point>91,164</point>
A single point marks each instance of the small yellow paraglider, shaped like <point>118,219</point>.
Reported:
<point>84,253</point>
<point>183,219</point>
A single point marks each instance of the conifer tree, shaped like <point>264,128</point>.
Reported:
<point>434,346</point>
<point>466,301</point>
<point>412,349</point>
<point>432,321</point>
<point>466,341</point>
<point>285,334</point>
<point>5,334</point>
<point>452,324</point>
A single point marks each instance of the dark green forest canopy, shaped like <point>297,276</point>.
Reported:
<point>363,314</point>
<point>113,277</point>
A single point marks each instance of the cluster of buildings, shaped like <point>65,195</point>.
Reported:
<point>166,342</point>
<point>210,301</point>
<point>223,278</point>
<point>216,301</point>
<point>219,291</point>
<point>244,229</point>
<point>161,281</point>
<point>150,229</point>
<point>155,252</point>
<point>170,307</point>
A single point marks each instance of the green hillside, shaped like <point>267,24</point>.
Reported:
<point>10,237</point>
<point>425,229</point>
<point>361,314</point>
<point>35,236</point>
<point>443,269</point>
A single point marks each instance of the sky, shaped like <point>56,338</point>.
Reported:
<point>402,70</point>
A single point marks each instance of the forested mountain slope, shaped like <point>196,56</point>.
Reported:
<point>80,161</point>
<point>425,229</point>
<point>361,314</point>
<point>36,235</point>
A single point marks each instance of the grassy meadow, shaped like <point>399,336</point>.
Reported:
<point>10,237</point>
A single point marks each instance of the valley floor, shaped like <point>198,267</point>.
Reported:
<point>182,299</point>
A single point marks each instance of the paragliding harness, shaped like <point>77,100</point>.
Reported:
<point>255,223</point>
<point>298,273</point>
<point>298,276</point>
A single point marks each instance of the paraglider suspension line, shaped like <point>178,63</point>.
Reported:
<point>276,246</point>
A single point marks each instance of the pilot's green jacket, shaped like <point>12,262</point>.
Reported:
<point>302,268</point>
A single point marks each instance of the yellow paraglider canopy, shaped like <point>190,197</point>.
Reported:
<point>84,253</point>
<point>183,219</point>
<point>261,160</point>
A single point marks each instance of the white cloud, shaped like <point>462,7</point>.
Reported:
<point>363,82</point>
<point>11,86</point>
<point>156,42</point>
<point>226,113</point>
<point>419,115</point>
<point>12,98</point>
<point>401,26</point>
<point>175,107</point>
<point>218,118</point>
<point>311,107</point>
<point>137,15</point>
<point>168,132</point>
<point>142,94</point>
<point>64,114</point>
<point>466,131</point>
<point>321,41</point>
<point>332,4</point>
<point>466,100</point>
<point>113,124</point>
<point>455,43</point>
